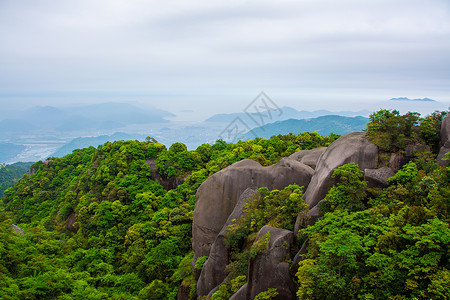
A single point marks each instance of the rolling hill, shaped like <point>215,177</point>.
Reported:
<point>323,125</point>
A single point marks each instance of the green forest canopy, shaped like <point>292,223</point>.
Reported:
<point>131,238</point>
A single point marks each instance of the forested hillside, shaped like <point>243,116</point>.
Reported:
<point>323,125</point>
<point>373,222</point>
<point>122,221</point>
<point>115,222</point>
<point>389,243</point>
<point>10,174</point>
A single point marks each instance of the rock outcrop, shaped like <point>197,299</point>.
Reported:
<point>71,223</point>
<point>218,195</point>
<point>377,178</point>
<point>397,161</point>
<point>299,257</point>
<point>17,229</point>
<point>309,157</point>
<point>444,141</point>
<point>221,198</point>
<point>353,147</point>
<point>269,269</point>
<point>213,272</point>
<point>168,183</point>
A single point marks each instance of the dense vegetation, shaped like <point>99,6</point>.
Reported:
<point>384,244</point>
<point>103,223</point>
<point>274,208</point>
<point>392,132</point>
<point>10,174</point>
<point>99,225</point>
<point>389,244</point>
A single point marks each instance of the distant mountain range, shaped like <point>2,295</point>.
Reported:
<point>414,100</point>
<point>85,142</point>
<point>46,131</point>
<point>105,116</point>
<point>284,113</point>
<point>9,150</point>
<point>323,125</point>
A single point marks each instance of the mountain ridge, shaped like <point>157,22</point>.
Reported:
<point>323,125</point>
<point>413,100</point>
<point>286,113</point>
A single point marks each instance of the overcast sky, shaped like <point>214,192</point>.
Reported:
<point>218,55</point>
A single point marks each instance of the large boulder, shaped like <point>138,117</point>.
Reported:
<point>300,256</point>
<point>397,161</point>
<point>350,148</point>
<point>444,140</point>
<point>269,269</point>
<point>377,178</point>
<point>309,157</point>
<point>310,218</point>
<point>71,223</point>
<point>213,272</point>
<point>218,195</point>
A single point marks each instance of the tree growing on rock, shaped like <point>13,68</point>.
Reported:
<point>349,191</point>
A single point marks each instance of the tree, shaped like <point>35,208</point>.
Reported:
<point>349,191</point>
<point>430,129</point>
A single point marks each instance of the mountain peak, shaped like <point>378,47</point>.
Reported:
<point>415,100</point>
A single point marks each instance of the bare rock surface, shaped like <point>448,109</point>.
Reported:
<point>444,140</point>
<point>299,257</point>
<point>309,157</point>
<point>310,218</point>
<point>397,161</point>
<point>17,229</point>
<point>269,269</point>
<point>71,223</point>
<point>218,195</point>
<point>213,272</point>
<point>353,147</point>
<point>377,178</point>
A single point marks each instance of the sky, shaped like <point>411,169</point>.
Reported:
<point>205,56</point>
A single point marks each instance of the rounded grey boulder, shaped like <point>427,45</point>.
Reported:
<point>350,148</point>
<point>309,157</point>
<point>213,272</point>
<point>444,141</point>
<point>218,195</point>
<point>269,269</point>
<point>377,178</point>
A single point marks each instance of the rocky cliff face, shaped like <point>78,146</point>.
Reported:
<point>213,272</point>
<point>353,147</point>
<point>218,195</point>
<point>270,269</point>
<point>221,198</point>
<point>444,140</point>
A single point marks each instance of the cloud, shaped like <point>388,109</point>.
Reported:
<point>155,46</point>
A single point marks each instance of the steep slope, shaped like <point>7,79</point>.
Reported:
<point>338,256</point>
<point>10,174</point>
<point>102,223</point>
<point>98,223</point>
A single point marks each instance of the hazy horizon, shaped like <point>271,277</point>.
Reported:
<point>212,57</point>
<point>189,112</point>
